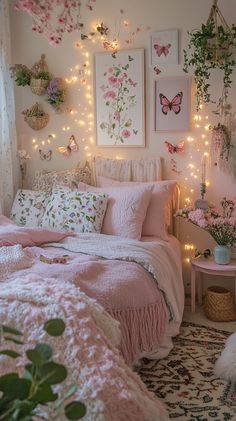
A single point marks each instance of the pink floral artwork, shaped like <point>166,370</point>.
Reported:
<point>119,98</point>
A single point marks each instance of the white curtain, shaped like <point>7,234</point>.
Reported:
<point>8,141</point>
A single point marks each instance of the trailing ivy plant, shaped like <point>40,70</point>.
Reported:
<point>211,47</point>
<point>22,397</point>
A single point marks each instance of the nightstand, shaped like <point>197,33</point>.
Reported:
<point>200,266</point>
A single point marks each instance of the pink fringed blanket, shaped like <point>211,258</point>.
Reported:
<point>110,390</point>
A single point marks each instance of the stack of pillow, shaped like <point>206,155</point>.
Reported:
<point>128,209</point>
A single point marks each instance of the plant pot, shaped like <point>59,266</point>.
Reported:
<point>201,204</point>
<point>37,122</point>
<point>222,255</point>
<point>38,86</point>
<point>216,52</point>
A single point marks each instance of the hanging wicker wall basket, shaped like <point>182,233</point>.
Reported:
<point>38,86</point>
<point>36,118</point>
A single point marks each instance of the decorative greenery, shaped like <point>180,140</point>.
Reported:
<point>221,131</point>
<point>42,75</point>
<point>34,111</point>
<point>23,397</point>
<point>203,190</point>
<point>211,47</point>
<point>56,93</point>
<point>21,74</point>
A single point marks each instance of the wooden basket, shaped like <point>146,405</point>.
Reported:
<point>219,304</point>
<point>38,86</point>
<point>37,123</point>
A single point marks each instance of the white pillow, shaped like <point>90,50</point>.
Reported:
<point>28,207</point>
<point>74,210</point>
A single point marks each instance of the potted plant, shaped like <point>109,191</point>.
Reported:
<point>211,47</point>
<point>40,77</point>
<point>21,74</point>
<point>39,82</point>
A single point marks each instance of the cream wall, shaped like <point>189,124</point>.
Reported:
<point>183,15</point>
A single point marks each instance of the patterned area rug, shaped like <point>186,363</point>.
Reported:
<point>185,381</point>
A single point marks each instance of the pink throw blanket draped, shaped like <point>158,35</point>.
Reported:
<point>131,296</point>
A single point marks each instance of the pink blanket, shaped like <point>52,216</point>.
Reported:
<point>110,390</point>
<point>142,312</point>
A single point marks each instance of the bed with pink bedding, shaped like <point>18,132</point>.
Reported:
<point>120,291</point>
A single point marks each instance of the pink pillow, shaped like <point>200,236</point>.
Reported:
<point>126,209</point>
<point>11,234</point>
<point>158,212</point>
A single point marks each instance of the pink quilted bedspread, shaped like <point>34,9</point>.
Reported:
<point>124,289</point>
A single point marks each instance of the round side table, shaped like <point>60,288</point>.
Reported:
<point>200,266</point>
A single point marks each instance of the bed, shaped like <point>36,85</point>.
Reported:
<point>119,286</point>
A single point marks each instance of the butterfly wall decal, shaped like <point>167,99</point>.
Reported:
<point>157,70</point>
<point>175,149</point>
<point>162,49</point>
<point>71,147</point>
<point>174,167</point>
<point>45,156</point>
<point>174,105</point>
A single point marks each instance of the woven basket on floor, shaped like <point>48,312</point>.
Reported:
<point>219,304</point>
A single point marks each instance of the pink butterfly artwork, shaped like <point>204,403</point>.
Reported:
<point>162,49</point>
<point>175,149</point>
<point>71,147</point>
<point>174,105</point>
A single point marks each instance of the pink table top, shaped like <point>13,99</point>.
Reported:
<point>209,264</point>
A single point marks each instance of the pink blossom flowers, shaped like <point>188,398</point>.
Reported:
<point>53,18</point>
<point>222,227</point>
<point>120,96</point>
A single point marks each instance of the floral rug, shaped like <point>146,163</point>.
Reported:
<point>185,381</point>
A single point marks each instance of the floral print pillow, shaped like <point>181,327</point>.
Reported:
<point>74,210</point>
<point>28,207</point>
<point>46,180</point>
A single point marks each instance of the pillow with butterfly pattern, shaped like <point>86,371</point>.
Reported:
<point>29,206</point>
<point>46,180</point>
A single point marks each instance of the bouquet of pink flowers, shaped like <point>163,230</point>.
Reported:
<point>222,227</point>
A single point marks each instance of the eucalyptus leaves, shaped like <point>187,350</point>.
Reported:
<point>23,397</point>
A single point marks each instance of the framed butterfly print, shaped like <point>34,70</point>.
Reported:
<point>164,47</point>
<point>172,104</point>
<point>120,104</point>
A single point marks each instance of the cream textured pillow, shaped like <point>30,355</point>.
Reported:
<point>46,180</point>
<point>74,210</point>
<point>28,207</point>
<point>158,213</point>
<point>126,209</point>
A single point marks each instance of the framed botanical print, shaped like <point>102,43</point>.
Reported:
<point>120,103</point>
<point>172,104</point>
<point>164,47</point>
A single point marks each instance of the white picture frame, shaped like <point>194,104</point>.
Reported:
<point>120,102</point>
<point>172,104</point>
<point>164,48</point>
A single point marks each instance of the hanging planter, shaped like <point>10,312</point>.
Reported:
<point>40,77</point>
<point>36,118</point>
<point>220,143</point>
<point>211,47</point>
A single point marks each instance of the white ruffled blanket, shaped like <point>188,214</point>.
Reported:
<point>110,390</point>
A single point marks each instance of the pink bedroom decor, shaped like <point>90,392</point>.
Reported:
<point>120,98</point>
<point>53,18</point>
<point>172,104</point>
<point>164,47</point>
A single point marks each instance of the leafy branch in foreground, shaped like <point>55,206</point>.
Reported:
<point>22,397</point>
